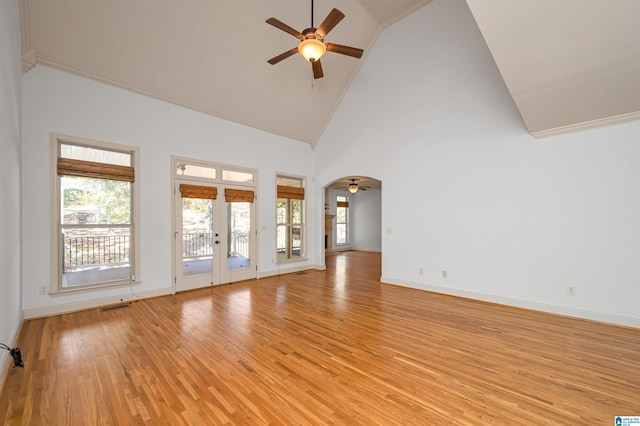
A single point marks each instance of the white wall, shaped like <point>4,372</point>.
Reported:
<point>366,220</point>
<point>10,106</point>
<point>58,102</point>
<point>512,219</point>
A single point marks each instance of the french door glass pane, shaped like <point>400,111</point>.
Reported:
<point>238,235</point>
<point>197,236</point>
<point>196,171</point>
<point>235,176</point>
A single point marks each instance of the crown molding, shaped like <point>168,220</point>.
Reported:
<point>28,60</point>
<point>607,121</point>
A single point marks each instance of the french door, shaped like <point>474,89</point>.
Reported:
<point>214,234</point>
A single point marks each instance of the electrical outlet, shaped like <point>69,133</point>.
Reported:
<point>571,290</point>
<point>445,274</point>
<point>421,271</point>
<point>43,289</point>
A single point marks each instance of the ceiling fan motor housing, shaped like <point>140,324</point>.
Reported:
<point>312,46</point>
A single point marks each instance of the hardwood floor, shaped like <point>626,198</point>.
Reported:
<point>322,347</point>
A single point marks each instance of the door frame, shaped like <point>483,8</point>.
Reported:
<point>221,184</point>
<point>193,282</point>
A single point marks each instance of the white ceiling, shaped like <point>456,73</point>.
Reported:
<point>211,55</point>
<point>565,62</point>
<point>569,64</point>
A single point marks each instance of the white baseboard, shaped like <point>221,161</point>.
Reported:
<point>4,356</point>
<point>66,308</point>
<point>518,303</point>
<point>290,270</point>
<point>343,249</point>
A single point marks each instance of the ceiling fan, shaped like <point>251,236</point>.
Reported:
<point>354,187</point>
<point>312,46</point>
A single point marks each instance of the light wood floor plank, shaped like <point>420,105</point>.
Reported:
<point>321,347</point>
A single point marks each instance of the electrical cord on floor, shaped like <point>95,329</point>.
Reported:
<point>133,292</point>
<point>15,354</point>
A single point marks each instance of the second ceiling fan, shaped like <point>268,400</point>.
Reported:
<point>312,46</point>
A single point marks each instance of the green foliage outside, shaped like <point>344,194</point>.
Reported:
<point>97,201</point>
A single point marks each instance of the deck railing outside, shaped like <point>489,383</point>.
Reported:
<point>89,251</point>
<point>239,244</point>
<point>85,252</point>
<point>200,244</point>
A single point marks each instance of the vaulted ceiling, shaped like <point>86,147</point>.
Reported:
<point>567,63</point>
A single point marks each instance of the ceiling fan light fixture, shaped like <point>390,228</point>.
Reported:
<point>353,187</point>
<point>312,49</point>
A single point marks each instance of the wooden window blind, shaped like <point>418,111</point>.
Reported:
<point>343,204</point>
<point>81,168</point>
<point>198,191</point>
<point>290,192</point>
<point>238,196</point>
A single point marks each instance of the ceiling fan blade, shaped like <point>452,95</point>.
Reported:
<point>330,22</point>
<point>284,27</point>
<point>317,69</point>
<point>345,50</point>
<point>282,56</point>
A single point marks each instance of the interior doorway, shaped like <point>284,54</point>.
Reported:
<point>353,215</point>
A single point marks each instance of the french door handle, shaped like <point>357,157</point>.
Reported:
<point>217,242</point>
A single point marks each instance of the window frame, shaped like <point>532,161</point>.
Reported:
<point>56,267</point>
<point>289,224</point>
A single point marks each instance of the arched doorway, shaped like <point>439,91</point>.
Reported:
<point>353,214</point>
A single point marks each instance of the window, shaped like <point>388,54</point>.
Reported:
<point>95,243</point>
<point>342,220</point>
<point>211,172</point>
<point>289,218</point>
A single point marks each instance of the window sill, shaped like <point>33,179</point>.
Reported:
<point>93,287</point>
